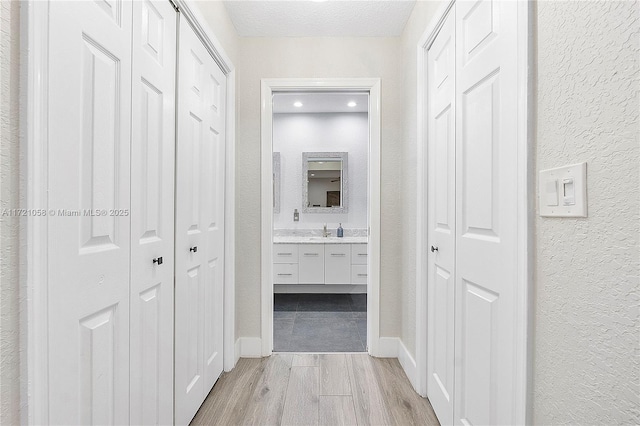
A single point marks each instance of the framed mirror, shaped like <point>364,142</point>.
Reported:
<point>325,182</point>
<point>276,182</point>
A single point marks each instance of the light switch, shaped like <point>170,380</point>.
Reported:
<point>569,192</point>
<point>563,191</point>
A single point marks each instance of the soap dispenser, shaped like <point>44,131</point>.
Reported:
<point>340,231</point>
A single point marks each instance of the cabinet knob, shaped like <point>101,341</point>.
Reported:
<point>433,249</point>
<point>158,260</point>
<point>194,249</point>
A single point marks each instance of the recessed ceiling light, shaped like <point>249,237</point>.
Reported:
<point>351,104</point>
<point>297,104</point>
<point>313,174</point>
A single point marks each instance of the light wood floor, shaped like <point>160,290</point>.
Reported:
<point>313,389</point>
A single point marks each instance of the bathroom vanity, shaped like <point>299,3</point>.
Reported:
<point>320,264</point>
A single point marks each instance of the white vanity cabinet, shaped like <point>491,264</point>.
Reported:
<point>311,264</point>
<point>337,264</point>
<point>320,263</point>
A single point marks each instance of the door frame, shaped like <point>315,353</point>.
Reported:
<point>268,87</point>
<point>526,208</point>
<point>34,100</point>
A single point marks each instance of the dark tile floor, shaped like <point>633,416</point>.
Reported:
<point>320,323</point>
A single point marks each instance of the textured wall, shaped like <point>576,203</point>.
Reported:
<point>587,330</point>
<point>314,57</point>
<point>294,134</point>
<point>9,226</point>
<point>421,16</point>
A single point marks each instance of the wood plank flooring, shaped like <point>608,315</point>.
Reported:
<point>315,389</point>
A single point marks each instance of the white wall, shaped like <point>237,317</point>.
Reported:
<point>587,334</point>
<point>422,14</point>
<point>266,57</point>
<point>294,134</point>
<point>9,226</point>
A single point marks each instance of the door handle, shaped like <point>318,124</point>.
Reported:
<point>433,249</point>
<point>194,249</point>
<point>158,260</point>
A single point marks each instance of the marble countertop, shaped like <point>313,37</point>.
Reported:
<point>318,240</point>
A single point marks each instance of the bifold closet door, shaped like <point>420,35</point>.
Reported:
<point>89,116</point>
<point>441,150</point>
<point>199,249</point>
<point>473,145</point>
<point>486,215</point>
<point>152,211</point>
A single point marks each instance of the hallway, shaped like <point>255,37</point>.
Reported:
<point>315,389</point>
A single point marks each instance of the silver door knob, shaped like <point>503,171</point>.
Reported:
<point>433,249</point>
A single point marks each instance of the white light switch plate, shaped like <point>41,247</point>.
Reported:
<point>570,196</point>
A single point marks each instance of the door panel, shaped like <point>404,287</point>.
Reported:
<point>486,178</point>
<point>152,207</point>
<point>88,172</point>
<point>441,219</point>
<point>199,248</point>
<point>213,176</point>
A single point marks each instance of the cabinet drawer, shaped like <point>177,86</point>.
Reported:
<point>285,253</point>
<point>358,254</point>
<point>337,263</point>
<point>358,274</point>
<point>285,273</point>
<point>311,263</point>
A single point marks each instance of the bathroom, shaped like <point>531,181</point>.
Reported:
<point>320,221</point>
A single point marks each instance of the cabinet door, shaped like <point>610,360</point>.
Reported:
<point>358,274</point>
<point>285,253</point>
<point>358,254</point>
<point>337,265</point>
<point>311,264</point>
<point>285,273</point>
<point>152,206</point>
<point>89,134</point>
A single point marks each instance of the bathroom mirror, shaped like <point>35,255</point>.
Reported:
<point>324,182</point>
<point>276,182</point>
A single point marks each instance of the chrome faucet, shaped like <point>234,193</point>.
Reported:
<point>325,233</point>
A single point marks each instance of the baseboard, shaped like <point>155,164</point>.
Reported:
<point>408,364</point>
<point>249,347</point>
<point>387,347</point>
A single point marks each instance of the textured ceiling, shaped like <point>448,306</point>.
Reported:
<point>305,18</point>
<point>319,102</point>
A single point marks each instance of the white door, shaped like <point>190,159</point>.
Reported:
<point>486,213</point>
<point>441,219</point>
<point>152,187</point>
<point>199,245</point>
<point>89,114</point>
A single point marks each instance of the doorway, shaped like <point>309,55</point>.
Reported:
<point>320,221</point>
<point>307,266</point>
